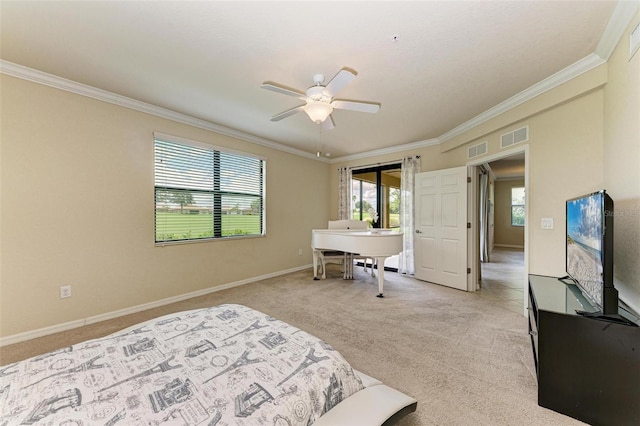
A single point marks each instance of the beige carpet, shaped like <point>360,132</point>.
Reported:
<point>466,359</point>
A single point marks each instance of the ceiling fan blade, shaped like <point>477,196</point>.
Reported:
<point>327,124</point>
<point>370,107</point>
<point>339,81</point>
<point>287,113</point>
<point>275,87</point>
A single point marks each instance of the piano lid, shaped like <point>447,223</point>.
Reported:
<point>376,242</point>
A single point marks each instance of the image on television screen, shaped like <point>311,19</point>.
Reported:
<point>584,244</point>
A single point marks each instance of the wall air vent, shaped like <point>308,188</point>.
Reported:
<point>477,150</point>
<point>515,137</point>
<point>634,40</point>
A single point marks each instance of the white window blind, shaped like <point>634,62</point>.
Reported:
<point>205,193</point>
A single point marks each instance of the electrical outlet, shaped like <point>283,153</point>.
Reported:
<point>299,252</point>
<point>65,291</point>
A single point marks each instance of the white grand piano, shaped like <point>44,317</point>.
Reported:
<point>378,244</point>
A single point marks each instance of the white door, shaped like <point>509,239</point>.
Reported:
<point>441,227</point>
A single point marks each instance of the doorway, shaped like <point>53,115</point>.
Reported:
<point>503,271</point>
<point>376,191</point>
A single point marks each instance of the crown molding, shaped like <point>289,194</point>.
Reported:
<point>617,25</point>
<point>389,150</point>
<point>585,64</point>
<point>620,18</point>
<point>572,71</point>
<point>30,74</point>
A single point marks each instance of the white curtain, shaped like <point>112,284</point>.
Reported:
<point>484,217</point>
<point>344,193</point>
<point>410,166</point>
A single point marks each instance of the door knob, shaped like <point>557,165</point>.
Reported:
<point>418,231</point>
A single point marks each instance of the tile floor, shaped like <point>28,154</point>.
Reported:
<point>503,278</point>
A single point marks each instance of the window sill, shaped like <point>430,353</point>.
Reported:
<point>207,240</point>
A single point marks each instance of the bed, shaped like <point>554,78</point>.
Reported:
<point>223,365</point>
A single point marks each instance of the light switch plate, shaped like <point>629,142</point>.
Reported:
<point>547,223</point>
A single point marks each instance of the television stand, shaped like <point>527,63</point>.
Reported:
<point>610,318</point>
<point>587,368</point>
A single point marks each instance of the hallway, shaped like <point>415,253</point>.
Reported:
<point>503,278</point>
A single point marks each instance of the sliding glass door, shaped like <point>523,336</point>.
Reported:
<point>376,195</point>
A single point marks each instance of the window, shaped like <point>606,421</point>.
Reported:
<point>517,206</point>
<point>376,188</point>
<point>203,192</point>
<point>364,198</point>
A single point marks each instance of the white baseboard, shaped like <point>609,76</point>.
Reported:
<point>28,335</point>
<point>509,246</point>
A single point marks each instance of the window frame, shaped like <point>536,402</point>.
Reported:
<point>382,192</point>
<point>216,192</point>
<point>523,206</point>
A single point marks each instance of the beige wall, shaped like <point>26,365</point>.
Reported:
<point>576,87</point>
<point>77,209</point>
<point>622,164</point>
<point>566,151</point>
<point>76,202</point>
<point>504,233</point>
<point>565,161</point>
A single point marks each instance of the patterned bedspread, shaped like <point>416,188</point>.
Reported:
<point>224,365</point>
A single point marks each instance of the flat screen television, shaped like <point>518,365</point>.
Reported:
<point>589,249</point>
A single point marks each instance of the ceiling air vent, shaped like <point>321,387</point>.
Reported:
<point>477,150</point>
<point>515,137</point>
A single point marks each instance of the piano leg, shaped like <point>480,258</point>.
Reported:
<point>348,266</point>
<point>351,266</point>
<point>315,264</point>
<point>380,262</point>
<point>345,266</point>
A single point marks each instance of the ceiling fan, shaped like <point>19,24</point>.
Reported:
<point>319,99</point>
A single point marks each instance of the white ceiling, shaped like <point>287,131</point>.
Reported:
<point>452,61</point>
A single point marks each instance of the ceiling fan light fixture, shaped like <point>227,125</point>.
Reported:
<point>320,100</point>
<point>318,111</point>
